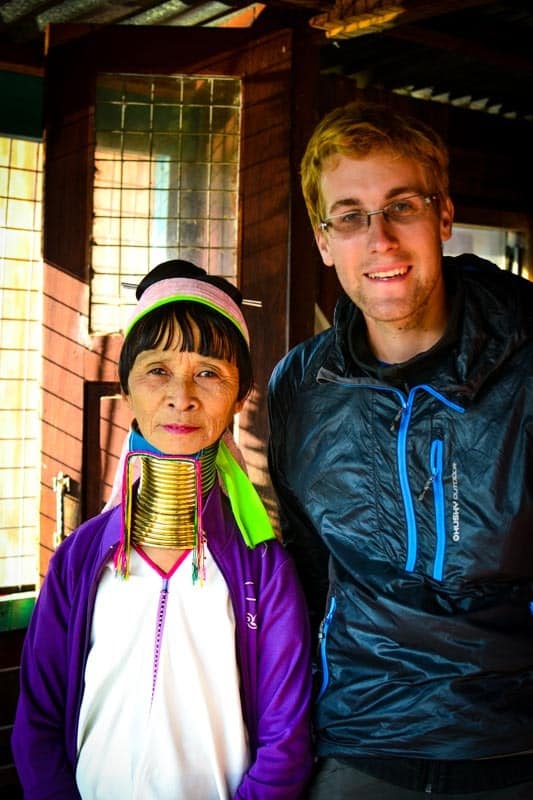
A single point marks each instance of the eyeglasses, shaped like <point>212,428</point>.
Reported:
<point>405,209</point>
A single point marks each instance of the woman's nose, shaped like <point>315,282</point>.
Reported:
<point>181,393</point>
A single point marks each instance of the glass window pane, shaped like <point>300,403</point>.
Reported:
<point>137,144</point>
<point>225,119</point>
<point>194,205</point>
<point>166,118</point>
<point>195,147</point>
<point>22,156</point>
<point>196,176</point>
<point>22,185</point>
<point>225,148</point>
<point>166,181</point>
<point>108,140</point>
<point>194,232</point>
<point>20,361</point>
<point>136,202</point>
<point>20,214</point>
<point>108,117</point>
<point>165,145</point>
<point>137,117</point>
<point>226,92</point>
<point>5,150</point>
<point>224,205</point>
<point>197,91</point>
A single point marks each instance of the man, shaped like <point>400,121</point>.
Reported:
<point>402,453</point>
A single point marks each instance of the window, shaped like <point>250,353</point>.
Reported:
<point>166,182</point>
<point>20,350</point>
<point>506,248</point>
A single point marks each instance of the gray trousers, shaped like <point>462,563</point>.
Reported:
<point>338,780</point>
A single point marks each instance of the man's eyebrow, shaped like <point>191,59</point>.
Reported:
<point>410,189</point>
<point>355,202</point>
<point>348,202</point>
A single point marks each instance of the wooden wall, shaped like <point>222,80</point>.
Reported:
<point>10,649</point>
<point>72,362</point>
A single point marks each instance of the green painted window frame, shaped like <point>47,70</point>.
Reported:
<point>16,610</point>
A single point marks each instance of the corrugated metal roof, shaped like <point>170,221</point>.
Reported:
<point>473,53</point>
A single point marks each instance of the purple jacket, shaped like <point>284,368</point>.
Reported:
<point>273,650</point>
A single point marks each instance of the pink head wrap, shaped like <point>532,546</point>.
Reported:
<point>169,290</point>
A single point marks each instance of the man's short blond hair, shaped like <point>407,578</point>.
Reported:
<point>357,129</point>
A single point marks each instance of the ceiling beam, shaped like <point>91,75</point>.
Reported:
<point>503,59</point>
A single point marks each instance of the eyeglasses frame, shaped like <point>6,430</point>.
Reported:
<point>427,198</point>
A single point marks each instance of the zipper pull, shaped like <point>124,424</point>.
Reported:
<point>426,488</point>
<point>394,424</point>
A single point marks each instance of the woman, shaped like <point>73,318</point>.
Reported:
<point>190,678</point>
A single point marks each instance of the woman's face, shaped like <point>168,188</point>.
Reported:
<point>182,401</point>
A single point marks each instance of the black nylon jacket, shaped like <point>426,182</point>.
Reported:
<point>406,497</point>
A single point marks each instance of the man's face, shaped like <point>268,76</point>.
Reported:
<point>392,270</point>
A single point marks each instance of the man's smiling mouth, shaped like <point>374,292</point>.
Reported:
<point>397,272</point>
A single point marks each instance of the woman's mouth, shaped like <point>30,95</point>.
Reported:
<point>180,428</point>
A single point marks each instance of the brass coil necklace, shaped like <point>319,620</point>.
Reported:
<point>165,512</point>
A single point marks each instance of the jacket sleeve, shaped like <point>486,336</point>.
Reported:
<point>39,740</point>
<point>282,741</point>
<point>298,533</point>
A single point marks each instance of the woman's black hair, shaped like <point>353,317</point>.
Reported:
<point>203,330</point>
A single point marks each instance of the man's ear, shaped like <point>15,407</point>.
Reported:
<point>323,247</point>
<point>446,219</point>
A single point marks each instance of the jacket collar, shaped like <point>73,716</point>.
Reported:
<point>489,321</point>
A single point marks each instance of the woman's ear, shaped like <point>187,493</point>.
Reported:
<point>239,404</point>
<point>125,397</point>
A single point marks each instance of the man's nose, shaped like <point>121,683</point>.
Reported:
<point>381,233</point>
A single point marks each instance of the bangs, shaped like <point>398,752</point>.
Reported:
<point>202,332</point>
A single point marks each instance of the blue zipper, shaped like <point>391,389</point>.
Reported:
<point>406,489</point>
<point>401,450</point>
<point>437,451</point>
<point>401,456</point>
<point>323,635</point>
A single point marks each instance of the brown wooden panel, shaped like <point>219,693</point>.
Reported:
<point>64,322</point>
<point>46,550</point>
<point>265,219</point>
<point>10,650</point>
<point>60,453</point>
<point>92,498</point>
<point>305,262</point>
<point>55,409</point>
<point>60,381</point>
